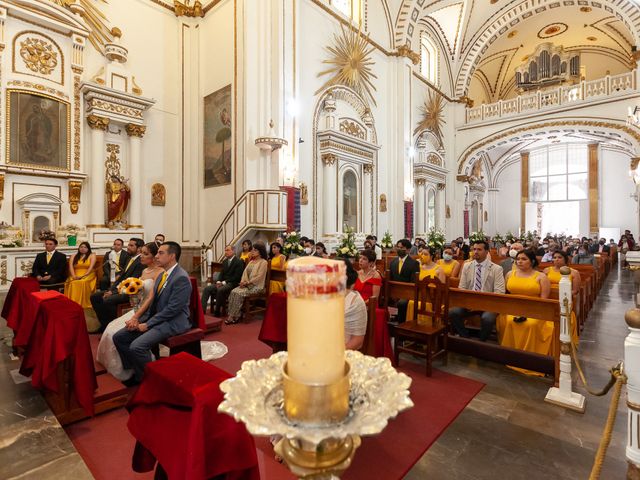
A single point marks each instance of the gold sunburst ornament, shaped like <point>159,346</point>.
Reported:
<point>100,33</point>
<point>432,116</point>
<point>351,64</point>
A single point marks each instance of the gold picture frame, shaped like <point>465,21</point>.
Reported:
<point>38,131</point>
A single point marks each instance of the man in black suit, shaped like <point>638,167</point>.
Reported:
<point>105,303</point>
<point>403,268</point>
<point>50,266</point>
<point>601,247</point>
<point>120,258</point>
<point>232,268</point>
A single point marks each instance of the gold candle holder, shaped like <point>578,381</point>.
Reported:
<point>316,404</point>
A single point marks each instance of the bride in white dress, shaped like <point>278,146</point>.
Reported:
<point>108,355</point>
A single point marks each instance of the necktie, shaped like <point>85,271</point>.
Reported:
<point>477,285</point>
<point>49,255</point>
<point>129,264</point>
<point>162,280</point>
<point>117,259</point>
<point>400,262</point>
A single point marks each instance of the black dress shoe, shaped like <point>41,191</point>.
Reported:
<point>130,382</point>
<point>216,313</point>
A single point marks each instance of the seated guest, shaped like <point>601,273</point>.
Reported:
<point>168,314</point>
<point>403,268</point>
<point>374,242</point>
<point>479,275</point>
<point>417,243</point>
<point>119,257</point>
<point>252,281</point>
<point>82,277</point>
<point>321,250</point>
<point>105,303</point>
<point>447,264</point>
<point>428,267</point>
<point>229,278</point>
<point>561,259</point>
<point>369,280</point>
<point>159,239</point>
<point>309,247</point>
<point>278,261</point>
<point>107,353</point>
<point>510,263</point>
<point>50,266</point>
<point>601,247</point>
<point>548,254</point>
<point>583,257</point>
<point>355,312</point>
<point>521,332</point>
<point>246,251</point>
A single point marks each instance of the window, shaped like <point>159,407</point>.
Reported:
<point>349,8</point>
<point>428,59</point>
<point>350,200</point>
<point>431,209</point>
<point>559,173</point>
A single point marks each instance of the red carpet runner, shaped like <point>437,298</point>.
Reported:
<point>106,445</point>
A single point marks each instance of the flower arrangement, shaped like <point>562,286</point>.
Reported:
<point>130,286</point>
<point>387,241</point>
<point>347,247</point>
<point>528,236</point>
<point>292,244</point>
<point>436,238</point>
<point>45,234</point>
<point>510,237</point>
<point>499,239</point>
<point>477,237</point>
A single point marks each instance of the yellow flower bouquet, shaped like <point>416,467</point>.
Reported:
<point>130,286</point>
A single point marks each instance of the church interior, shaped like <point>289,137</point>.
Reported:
<point>476,162</point>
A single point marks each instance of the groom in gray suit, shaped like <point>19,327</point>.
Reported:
<point>167,316</point>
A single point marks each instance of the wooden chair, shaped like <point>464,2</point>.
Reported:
<point>432,336</point>
<point>188,341</point>
<point>369,345</point>
<point>257,302</point>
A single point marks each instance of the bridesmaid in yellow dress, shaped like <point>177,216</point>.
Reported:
<point>428,268</point>
<point>526,333</point>
<point>447,264</point>
<point>82,277</point>
<point>278,261</point>
<point>246,250</point>
<point>561,259</point>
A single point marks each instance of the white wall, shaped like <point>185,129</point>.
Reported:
<point>508,200</point>
<point>617,208</point>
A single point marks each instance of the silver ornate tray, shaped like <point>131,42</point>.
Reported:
<point>255,397</point>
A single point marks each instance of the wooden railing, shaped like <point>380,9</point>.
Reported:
<point>582,92</point>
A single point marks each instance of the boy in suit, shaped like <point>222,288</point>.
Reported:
<point>232,268</point>
<point>105,303</point>
<point>167,316</point>
<point>120,258</point>
<point>403,268</point>
<point>50,266</point>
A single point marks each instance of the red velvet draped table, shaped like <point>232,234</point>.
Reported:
<point>14,305</point>
<point>274,327</point>
<point>195,305</point>
<point>174,419</point>
<point>53,332</point>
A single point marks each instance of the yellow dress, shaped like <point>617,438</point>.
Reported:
<point>422,319</point>
<point>244,256</point>
<point>554,278</point>
<point>277,263</point>
<point>531,335</point>
<point>80,290</point>
<point>447,268</point>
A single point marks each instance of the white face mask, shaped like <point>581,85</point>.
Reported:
<point>447,257</point>
<point>513,253</point>
<point>307,250</point>
<point>544,245</point>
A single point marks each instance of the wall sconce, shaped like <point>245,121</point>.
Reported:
<point>270,142</point>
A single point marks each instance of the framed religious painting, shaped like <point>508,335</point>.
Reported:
<point>38,131</point>
<point>217,138</point>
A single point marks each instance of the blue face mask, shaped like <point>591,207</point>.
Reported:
<point>447,257</point>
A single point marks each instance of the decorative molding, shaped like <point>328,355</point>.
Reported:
<point>405,51</point>
<point>420,182</point>
<point>186,10</point>
<point>441,186</point>
<point>367,168</point>
<point>76,122</point>
<point>353,129</point>
<point>347,149</point>
<point>39,88</point>
<point>3,270</point>
<point>434,159</point>
<point>98,123</point>
<point>383,203</point>
<point>115,108</point>
<point>329,159</point>
<point>1,188</point>
<point>75,192</point>
<point>134,130</point>
<point>38,55</point>
<point>158,195</point>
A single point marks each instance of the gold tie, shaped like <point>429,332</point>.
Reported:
<point>117,259</point>
<point>162,280</point>
<point>49,255</point>
<point>129,264</point>
<point>400,262</point>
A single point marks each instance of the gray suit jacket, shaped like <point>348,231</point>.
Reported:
<point>492,277</point>
<point>507,266</point>
<point>169,311</point>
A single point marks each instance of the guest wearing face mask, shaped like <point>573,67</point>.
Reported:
<point>583,257</point>
<point>509,264</point>
<point>449,266</point>
<point>309,248</point>
<point>403,268</point>
<point>601,247</point>
<point>548,256</point>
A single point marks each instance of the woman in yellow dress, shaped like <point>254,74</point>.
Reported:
<point>430,269</point>
<point>449,266</point>
<point>561,259</point>
<point>246,250</point>
<point>82,278</point>
<point>520,332</point>
<point>278,261</point>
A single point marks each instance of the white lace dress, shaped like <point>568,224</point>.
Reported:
<point>108,355</point>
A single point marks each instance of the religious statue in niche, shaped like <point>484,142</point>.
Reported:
<point>383,202</point>
<point>158,195</point>
<point>304,194</point>
<point>117,190</point>
<point>476,173</point>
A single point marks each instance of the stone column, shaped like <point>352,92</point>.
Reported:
<point>593,189</point>
<point>421,200</point>
<point>135,132</point>
<point>330,200</point>
<point>491,226</point>
<point>441,202</point>
<point>524,189</point>
<point>368,202</point>
<point>98,126</point>
<point>632,370</point>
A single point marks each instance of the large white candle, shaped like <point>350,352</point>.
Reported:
<point>315,320</point>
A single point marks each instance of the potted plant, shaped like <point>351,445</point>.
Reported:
<point>72,234</point>
<point>347,247</point>
<point>292,247</point>
<point>436,239</point>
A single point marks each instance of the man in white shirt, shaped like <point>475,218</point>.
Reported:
<point>479,275</point>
